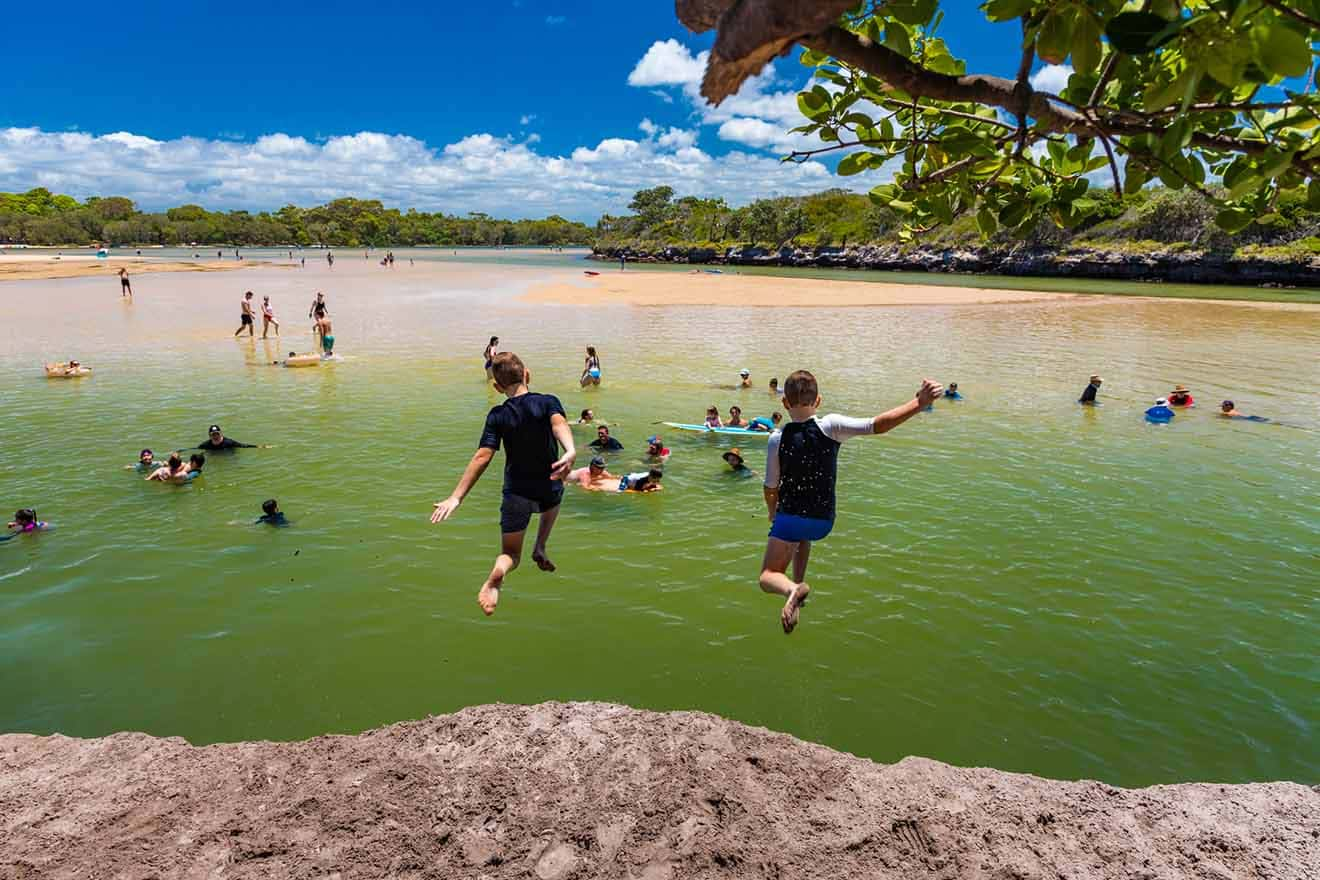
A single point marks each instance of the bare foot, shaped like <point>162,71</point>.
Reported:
<point>489,596</point>
<point>789,616</point>
<point>542,561</point>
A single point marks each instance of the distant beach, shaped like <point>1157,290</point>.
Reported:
<point>34,266</point>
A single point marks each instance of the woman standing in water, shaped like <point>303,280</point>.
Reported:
<point>591,369</point>
<point>492,349</point>
<point>318,311</point>
<point>268,318</point>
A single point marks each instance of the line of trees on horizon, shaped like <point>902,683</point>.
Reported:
<point>1150,218</point>
<point>39,217</point>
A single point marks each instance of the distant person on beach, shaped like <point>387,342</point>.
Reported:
<point>125,286</point>
<point>594,477</point>
<point>736,419</point>
<point>246,316</point>
<point>1181,396</point>
<point>271,515</point>
<point>1088,394</point>
<point>25,522</point>
<point>744,379</point>
<point>713,417</point>
<point>268,318</point>
<point>951,393</point>
<point>591,368</point>
<point>604,442</point>
<point>330,259</point>
<point>655,449</point>
<point>532,428</point>
<point>800,474</point>
<point>492,349</point>
<point>642,481</point>
<point>623,262</point>
<point>766,425</point>
<point>326,331</point>
<point>219,255</point>
<point>1229,410</point>
<point>216,441</point>
<point>1160,412</point>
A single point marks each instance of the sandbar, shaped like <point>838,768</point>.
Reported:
<point>31,267</point>
<point>641,288</point>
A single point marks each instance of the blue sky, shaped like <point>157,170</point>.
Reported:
<point>514,107</point>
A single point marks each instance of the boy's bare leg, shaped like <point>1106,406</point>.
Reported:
<point>800,561</point>
<point>778,555</point>
<point>510,552</point>
<point>542,535</point>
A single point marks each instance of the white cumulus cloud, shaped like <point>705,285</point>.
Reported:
<point>1052,78</point>
<point>668,63</point>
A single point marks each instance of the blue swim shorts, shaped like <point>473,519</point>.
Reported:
<point>788,527</point>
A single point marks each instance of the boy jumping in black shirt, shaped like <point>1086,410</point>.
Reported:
<point>532,428</point>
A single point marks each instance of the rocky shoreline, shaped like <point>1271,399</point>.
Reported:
<point>1181,266</point>
<point>560,791</point>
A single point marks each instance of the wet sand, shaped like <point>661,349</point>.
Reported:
<point>35,267</point>
<point>641,288</point>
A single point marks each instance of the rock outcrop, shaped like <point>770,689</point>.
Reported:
<point>1183,266</point>
<point>593,790</point>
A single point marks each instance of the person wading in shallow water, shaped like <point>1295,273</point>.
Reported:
<point>246,316</point>
<point>125,286</point>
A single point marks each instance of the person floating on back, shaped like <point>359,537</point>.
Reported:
<point>1088,394</point>
<point>800,472</point>
<point>271,514</point>
<point>532,429</point>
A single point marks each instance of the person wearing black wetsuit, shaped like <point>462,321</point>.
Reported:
<point>216,441</point>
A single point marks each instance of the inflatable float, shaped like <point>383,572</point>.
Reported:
<point>64,371</point>
<point>702,429</point>
<point>303,360</point>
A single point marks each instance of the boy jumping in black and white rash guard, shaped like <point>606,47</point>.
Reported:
<point>800,473</point>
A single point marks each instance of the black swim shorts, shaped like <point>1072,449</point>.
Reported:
<point>516,510</point>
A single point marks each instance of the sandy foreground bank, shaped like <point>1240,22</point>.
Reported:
<point>29,267</point>
<point>596,790</point>
<point>703,289</point>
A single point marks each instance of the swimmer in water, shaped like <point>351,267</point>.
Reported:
<point>173,470</point>
<point>146,462</point>
<point>594,477</point>
<point>713,417</point>
<point>604,442</point>
<point>951,393</point>
<point>1089,393</point>
<point>591,368</point>
<point>736,419</point>
<point>492,349</point>
<point>1160,412</point>
<point>774,389</point>
<point>766,425</point>
<point>655,449</point>
<point>587,417</point>
<point>734,459</point>
<point>271,515</point>
<point>1181,396</point>
<point>25,521</point>
<point>1229,410</point>
<point>744,379</point>
<point>642,481</point>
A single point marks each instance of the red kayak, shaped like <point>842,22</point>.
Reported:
<point>589,272</point>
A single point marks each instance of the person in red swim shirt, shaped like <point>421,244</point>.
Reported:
<point>1181,396</point>
<point>655,449</point>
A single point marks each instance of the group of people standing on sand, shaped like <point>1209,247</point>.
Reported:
<point>539,453</point>
<point>322,327</point>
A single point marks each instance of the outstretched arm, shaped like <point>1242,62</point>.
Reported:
<point>476,467</point>
<point>927,394</point>
<point>564,434</point>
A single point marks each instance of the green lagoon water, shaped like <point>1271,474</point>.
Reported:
<point>1015,581</point>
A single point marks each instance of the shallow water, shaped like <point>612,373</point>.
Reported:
<point>1014,581</point>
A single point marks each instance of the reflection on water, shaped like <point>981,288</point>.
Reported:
<point>1014,581</point>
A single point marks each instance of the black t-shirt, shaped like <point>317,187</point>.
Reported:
<point>808,466</point>
<point>522,424</point>
<point>609,443</point>
<point>1088,396</point>
<point>226,443</point>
